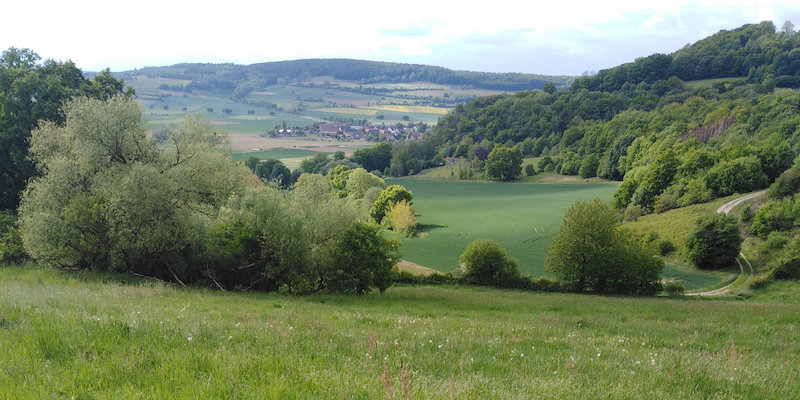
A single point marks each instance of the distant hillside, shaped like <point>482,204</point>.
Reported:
<point>242,79</point>
<point>716,117</point>
<point>263,98</point>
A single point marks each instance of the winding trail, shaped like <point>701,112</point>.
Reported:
<point>743,277</point>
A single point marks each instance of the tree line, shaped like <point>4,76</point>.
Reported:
<point>240,80</point>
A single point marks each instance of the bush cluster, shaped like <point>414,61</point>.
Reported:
<point>111,198</point>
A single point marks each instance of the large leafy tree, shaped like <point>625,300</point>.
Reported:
<point>363,259</point>
<point>388,197</point>
<point>590,253</point>
<point>110,198</point>
<point>377,157</point>
<point>485,263</point>
<point>32,91</point>
<point>504,163</point>
<point>715,241</point>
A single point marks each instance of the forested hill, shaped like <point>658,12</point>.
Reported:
<point>675,140</point>
<point>257,76</point>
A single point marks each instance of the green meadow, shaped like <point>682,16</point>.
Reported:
<point>521,217</point>
<point>276,154</point>
<point>89,336</point>
<point>295,105</point>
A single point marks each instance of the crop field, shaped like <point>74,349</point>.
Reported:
<point>298,104</point>
<point>277,154</point>
<point>82,335</point>
<point>520,217</point>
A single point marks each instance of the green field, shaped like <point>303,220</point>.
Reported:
<point>276,154</point>
<point>81,335</point>
<point>521,217</point>
<point>296,104</point>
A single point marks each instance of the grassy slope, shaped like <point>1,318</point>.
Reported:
<point>676,225</point>
<point>521,217</point>
<point>72,335</point>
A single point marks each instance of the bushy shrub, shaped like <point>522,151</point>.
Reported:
<point>530,170</point>
<point>633,212</point>
<point>11,247</point>
<point>715,241</point>
<point>363,259</point>
<point>775,215</point>
<point>759,281</point>
<point>432,279</point>
<point>746,215</point>
<point>485,263</point>
<point>389,196</point>
<point>665,247</point>
<point>787,184</point>
<point>674,288</point>
<point>785,266</point>
<point>590,253</point>
<point>694,192</point>
<point>740,175</point>
<point>400,218</point>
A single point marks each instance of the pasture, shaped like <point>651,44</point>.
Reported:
<point>84,335</point>
<point>520,217</point>
<point>277,154</point>
<point>298,104</point>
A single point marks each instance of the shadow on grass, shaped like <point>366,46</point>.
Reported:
<point>429,227</point>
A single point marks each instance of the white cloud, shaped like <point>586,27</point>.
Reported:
<point>567,36</point>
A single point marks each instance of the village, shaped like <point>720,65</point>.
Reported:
<point>383,132</point>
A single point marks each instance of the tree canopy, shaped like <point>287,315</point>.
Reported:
<point>590,253</point>
<point>32,91</point>
<point>715,242</point>
<point>504,163</point>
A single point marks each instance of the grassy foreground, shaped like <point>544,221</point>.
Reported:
<point>87,336</point>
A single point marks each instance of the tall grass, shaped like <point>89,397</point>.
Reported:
<point>89,336</point>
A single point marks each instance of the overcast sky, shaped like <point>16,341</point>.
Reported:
<point>562,37</point>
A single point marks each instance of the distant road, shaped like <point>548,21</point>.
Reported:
<point>725,209</point>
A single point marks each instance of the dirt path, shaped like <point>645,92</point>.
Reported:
<point>415,269</point>
<point>743,277</point>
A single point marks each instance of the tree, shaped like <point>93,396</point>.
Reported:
<point>589,167</point>
<point>360,181</point>
<point>775,215</point>
<point>485,263</point>
<point>31,92</point>
<point>590,253</point>
<point>401,218</point>
<point>715,241</point>
<point>377,157</point>
<point>656,179</point>
<point>110,198</point>
<point>504,163</point>
<point>252,163</point>
<point>363,258</point>
<point>741,175</point>
<point>787,184</point>
<point>787,27</point>
<point>388,197</point>
<point>480,153</point>
<point>337,179</point>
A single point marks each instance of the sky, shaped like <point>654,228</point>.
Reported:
<point>563,37</point>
